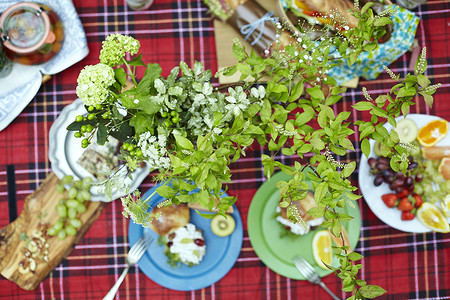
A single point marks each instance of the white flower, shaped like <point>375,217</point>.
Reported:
<point>94,82</point>
<point>154,150</point>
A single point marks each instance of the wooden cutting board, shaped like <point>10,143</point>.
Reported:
<point>39,209</point>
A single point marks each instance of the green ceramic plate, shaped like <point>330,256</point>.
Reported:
<point>277,252</point>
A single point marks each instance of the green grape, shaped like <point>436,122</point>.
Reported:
<point>433,198</point>
<point>70,230</point>
<point>72,203</point>
<point>52,231</point>
<point>87,180</point>
<point>447,186</point>
<point>75,223</point>
<point>418,189</point>
<point>58,225</point>
<point>80,196</point>
<point>78,184</point>
<point>73,193</point>
<point>62,234</point>
<point>72,212</point>
<point>428,189</point>
<point>60,187</point>
<point>84,195</point>
<point>438,177</point>
<point>67,179</point>
<point>61,209</point>
<point>81,208</point>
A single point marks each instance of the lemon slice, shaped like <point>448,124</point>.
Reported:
<point>432,217</point>
<point>321,247</point>
<point>445,205</point>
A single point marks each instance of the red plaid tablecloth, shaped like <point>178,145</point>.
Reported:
<point>409,266</point>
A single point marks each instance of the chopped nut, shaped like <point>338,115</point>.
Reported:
<point>32,265</point>
<point>23,267</point>
<point>32,246</point>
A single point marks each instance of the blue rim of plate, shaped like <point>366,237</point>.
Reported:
<point>221,254</point>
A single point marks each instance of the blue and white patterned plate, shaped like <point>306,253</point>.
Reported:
<point>21,85</point>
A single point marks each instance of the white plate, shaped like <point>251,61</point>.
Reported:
<point>22,84</point>
<point>372,194</point>
<point>65,149</point>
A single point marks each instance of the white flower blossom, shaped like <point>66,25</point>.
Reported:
<point>154,150</point>
<point>94,82</point>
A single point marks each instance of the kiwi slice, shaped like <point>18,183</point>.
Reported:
<point>377,149</point>
<point>407,130</point>
<point>381,150</point>
<point>223,226</point>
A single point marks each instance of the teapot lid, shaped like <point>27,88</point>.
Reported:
<point>24,27</point>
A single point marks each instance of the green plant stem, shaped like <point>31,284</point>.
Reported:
<point>131,73</point>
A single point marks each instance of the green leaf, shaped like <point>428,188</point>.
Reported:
<point>346,143</point>
<point>316,212</point>
<point>184,142</point>
<point>239,52</point>
<point>152,72</point>
<point>354,256</point>
<point>141,122</point>
<point>336,227</point>
<point>287,151</point>
<point>305,116</point>
<point>407,92</point>
<point>137,61</point>
<point>366,7</point>
<point>102,134</point>
<point>296,92</point>
<point>316,92</point>
<point>166,191</point>
<point>320,191</point>
<point>365,147</point>
<point>185,69</point>
<point>305,148</point>
<point>370,47</point>
<point>428,99</point>
<point>348,169</point>
<point>423,80</point>
<point>266,111</point>
<point>382,21</point>
<point>120,76</point>
<point>363,105</point>
<point>244,69</point>
<point>371,291</point>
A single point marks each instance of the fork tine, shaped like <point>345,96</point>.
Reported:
<point>143,241</point>
<point>144,248</point>
<point>304,268</point>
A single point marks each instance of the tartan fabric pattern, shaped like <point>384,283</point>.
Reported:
<point>409,266</point>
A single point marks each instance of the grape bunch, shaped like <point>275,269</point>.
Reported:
<point>70,206</point>
<point>433,187</point>
<point>398,182</point>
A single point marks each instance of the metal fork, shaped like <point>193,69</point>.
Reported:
<point>132,258</point>
<point>311,274</point>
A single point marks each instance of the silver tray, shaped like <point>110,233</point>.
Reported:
<point>65,149</point>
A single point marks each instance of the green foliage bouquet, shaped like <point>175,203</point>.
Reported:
<point>190,131</point>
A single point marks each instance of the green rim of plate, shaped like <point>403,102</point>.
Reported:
<point>277,252</point>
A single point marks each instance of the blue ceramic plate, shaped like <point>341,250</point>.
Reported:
<point>221,254</point>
